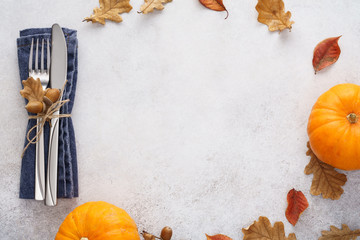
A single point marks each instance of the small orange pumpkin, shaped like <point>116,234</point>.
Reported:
<point>334,127</point>
<point>98,221</point>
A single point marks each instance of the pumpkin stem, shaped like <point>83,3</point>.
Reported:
<point>352,117</point>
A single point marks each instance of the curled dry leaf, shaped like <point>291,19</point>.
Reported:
<point>217,237</point>
<point>148,236</point>
<point>272,13</point>
<point>110,10</point>
<point>216,5</point>
<point>327,181</point>
<point>297,203</point>
<point>150,5</point>
<point>340,234</point>
<point>326,53</point>
<point>262,230</point>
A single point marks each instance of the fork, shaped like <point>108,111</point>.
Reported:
<point>43,75</point>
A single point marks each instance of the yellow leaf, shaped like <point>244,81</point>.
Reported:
<point>262,230</point>
<point>33,90</point>
<point>110,10</point>
<point>150,5</point>
<point>272,13</point>
<point>327,181</point>
<point>341,234</point>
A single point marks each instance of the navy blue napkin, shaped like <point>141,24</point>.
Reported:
<point>68,176</point>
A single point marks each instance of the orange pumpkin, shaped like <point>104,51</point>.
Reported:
<point>98,221</point>
<point>334,129</point>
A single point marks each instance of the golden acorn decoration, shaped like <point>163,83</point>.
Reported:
<point>35,106</point>
<point>52,94</point>
<point>39,100</point>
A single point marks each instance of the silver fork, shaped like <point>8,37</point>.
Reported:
<point>43,75</point>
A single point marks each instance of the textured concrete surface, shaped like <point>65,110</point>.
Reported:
<point>183,118</point>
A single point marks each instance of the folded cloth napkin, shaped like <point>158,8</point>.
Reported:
<point>67,176</point>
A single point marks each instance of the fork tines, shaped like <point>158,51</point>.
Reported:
<point>35,71</point>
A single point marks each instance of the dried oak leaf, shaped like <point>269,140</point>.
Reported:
<point>148,236</point>
<point>272,13</point>
<point>297,203</point>
<point>110,10</point>
<point>217,237</point>
<point>326,53</point>
<point>262,230</point>
<point>340,234</point>
<point>33,90</point>
<point>150,5</point>
<point>327,181</point>
<point>216,5</point>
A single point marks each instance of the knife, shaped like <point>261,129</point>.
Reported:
<point>58,72</point>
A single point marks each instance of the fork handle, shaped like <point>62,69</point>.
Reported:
<point>40,165</point>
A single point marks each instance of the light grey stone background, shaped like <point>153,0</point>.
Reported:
<point>183,118</point>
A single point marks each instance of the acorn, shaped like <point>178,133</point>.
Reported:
<point>52,94</point>
<point>35,106</point>
<point>166,233</point>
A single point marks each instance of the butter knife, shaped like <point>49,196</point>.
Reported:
<point>58,72</point>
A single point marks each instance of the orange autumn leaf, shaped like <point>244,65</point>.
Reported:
<point>297,203</point>
<point>217,237</point>
<point>272,13</point>
<point>326,53</point>
<point>216,5</point>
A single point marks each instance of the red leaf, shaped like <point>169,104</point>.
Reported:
<point>326,53</point>
<point>297,203</point>
<point>217,237</point>
<point>216,5</point>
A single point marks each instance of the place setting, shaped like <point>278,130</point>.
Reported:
<point>49,163</point>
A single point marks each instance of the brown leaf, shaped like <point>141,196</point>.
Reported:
<point>148,236</point>
<point>327,181</point>
<point>217,237</point>
<point>33,90</point>
<point>272,13</point>
<point>339,234</point>
<point>150,5</point>
<point>110,10</point>
<point>326,53</point>
<point>297,203</point>
<point>262,230</point>
<point>216,5</point>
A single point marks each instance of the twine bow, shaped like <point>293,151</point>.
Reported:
<point>48,115</point>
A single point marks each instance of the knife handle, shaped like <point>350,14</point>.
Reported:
<point>52,169</point>
<point>40,165</point>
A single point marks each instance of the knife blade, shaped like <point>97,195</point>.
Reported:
<point>58,72</point>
